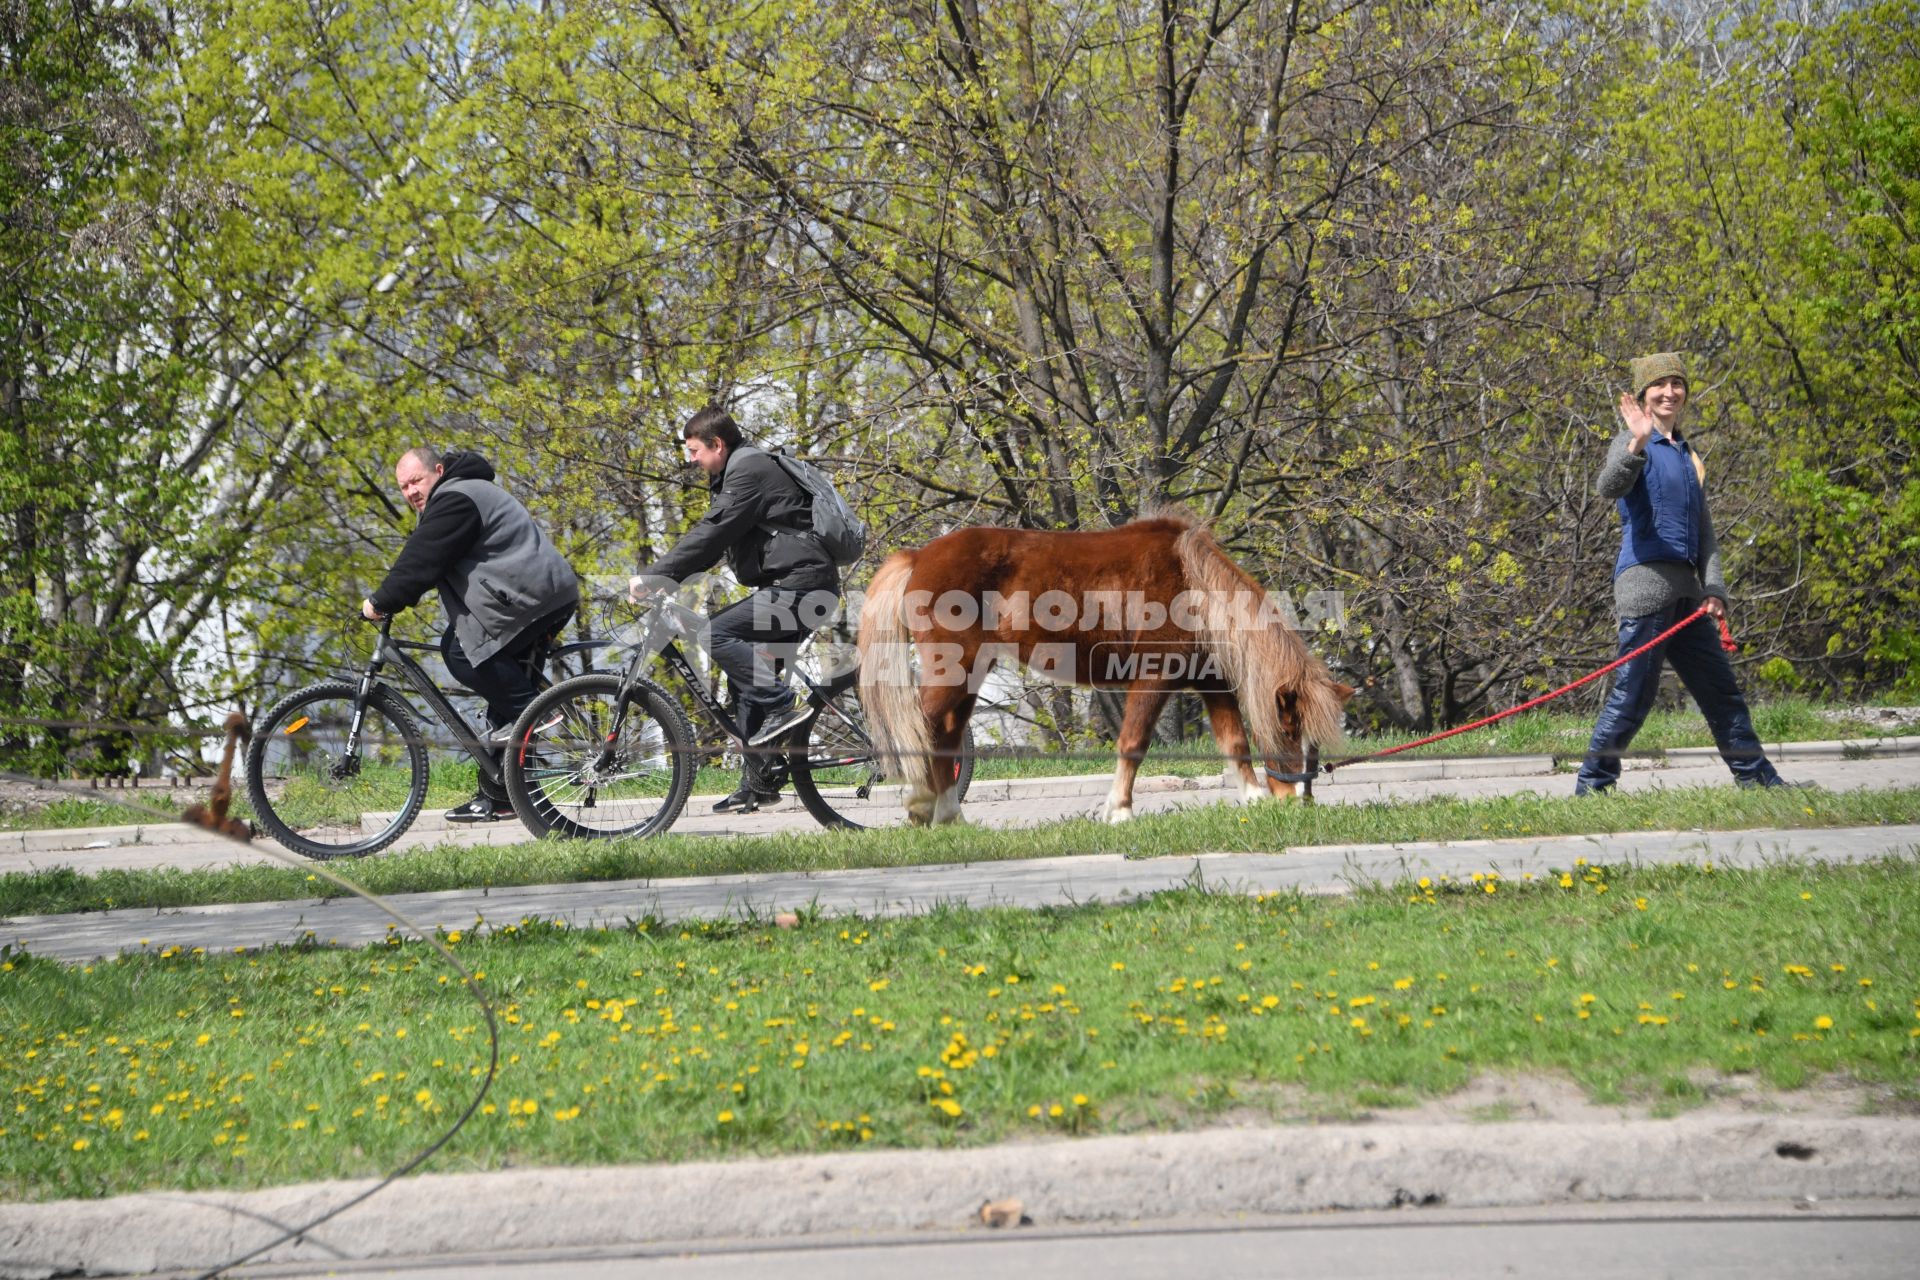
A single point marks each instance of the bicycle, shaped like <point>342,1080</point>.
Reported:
<point>602,755</point>
<point>327,754</point>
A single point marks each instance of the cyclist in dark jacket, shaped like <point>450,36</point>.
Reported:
<point>1669,564</point>
<point>504,587</point>
<point>760,519</point>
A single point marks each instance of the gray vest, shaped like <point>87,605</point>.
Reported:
<point>512,578</point>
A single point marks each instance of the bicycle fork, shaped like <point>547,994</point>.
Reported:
<point>606,763</point>
<point>348,765</point>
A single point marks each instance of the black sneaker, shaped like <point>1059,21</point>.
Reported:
<point>482,808</point>
<point>777,725</point>
<point>746,800</point>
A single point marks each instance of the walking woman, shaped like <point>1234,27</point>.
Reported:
<point>1669,564</point>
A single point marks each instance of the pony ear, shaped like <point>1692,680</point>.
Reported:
<point>1345,691</point>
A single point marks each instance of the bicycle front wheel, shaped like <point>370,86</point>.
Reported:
<point>312,780</point>
<point>838,778</point>
<point>569,774</point>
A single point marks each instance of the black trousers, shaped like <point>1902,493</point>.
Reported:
<point>505,680</point>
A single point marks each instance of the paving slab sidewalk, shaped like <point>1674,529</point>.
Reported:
<point>1888,762</point>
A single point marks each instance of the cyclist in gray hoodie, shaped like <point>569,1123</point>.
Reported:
<point>505,588</point>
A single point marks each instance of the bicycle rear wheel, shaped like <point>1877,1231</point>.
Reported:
<point>568,776</point>
<point>839,780</point>
<point>312,793</point>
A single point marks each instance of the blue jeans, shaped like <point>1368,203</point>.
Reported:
<point>1703,668</point>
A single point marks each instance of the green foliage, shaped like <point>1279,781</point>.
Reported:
<point>1354,281</point>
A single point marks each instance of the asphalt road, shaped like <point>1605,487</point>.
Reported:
<point>1634,1242</point>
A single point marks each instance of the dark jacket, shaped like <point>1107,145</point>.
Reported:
<point>751,494</point>
<point>496,570</point>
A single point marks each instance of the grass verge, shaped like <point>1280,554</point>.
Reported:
<point>1212,828</point>
<point>84,811</point>
<point>959,1027</point>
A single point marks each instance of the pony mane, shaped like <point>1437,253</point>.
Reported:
<point>1260,654</point>
<point>1170,513</point>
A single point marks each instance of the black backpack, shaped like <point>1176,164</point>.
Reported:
<point>835,526</point>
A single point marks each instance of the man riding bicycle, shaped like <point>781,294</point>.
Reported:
<point>505,588</point>
<point>761,520</point>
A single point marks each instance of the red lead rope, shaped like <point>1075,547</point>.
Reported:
<point>1727,642</point>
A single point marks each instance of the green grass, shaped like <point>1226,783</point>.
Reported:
<point>960,1027</point>
<point>1222,827</point>
<point>72,810</point>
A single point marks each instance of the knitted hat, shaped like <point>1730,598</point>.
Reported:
<point>1644,371</point>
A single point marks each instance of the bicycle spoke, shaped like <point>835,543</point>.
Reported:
<point>579,777</point>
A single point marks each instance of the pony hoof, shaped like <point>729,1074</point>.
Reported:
<point>923,808</point>
<point>1117,816</point>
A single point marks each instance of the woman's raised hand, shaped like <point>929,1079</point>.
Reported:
<point>1639,422</point>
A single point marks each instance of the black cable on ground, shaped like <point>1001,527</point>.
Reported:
<point>467,979</point>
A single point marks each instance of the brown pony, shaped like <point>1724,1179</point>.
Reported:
<point>1153,607</point>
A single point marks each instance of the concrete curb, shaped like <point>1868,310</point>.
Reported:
<point>1214,1173</point>
<point>993,791</point>
<point>1431,770</point>
<point>62,839</point>
<point>1777,751</point>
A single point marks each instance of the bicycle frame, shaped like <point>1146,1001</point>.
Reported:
<point>671,618</point>
<point>388,650</point>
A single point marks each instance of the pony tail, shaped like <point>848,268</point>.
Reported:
<point>902,735</point>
